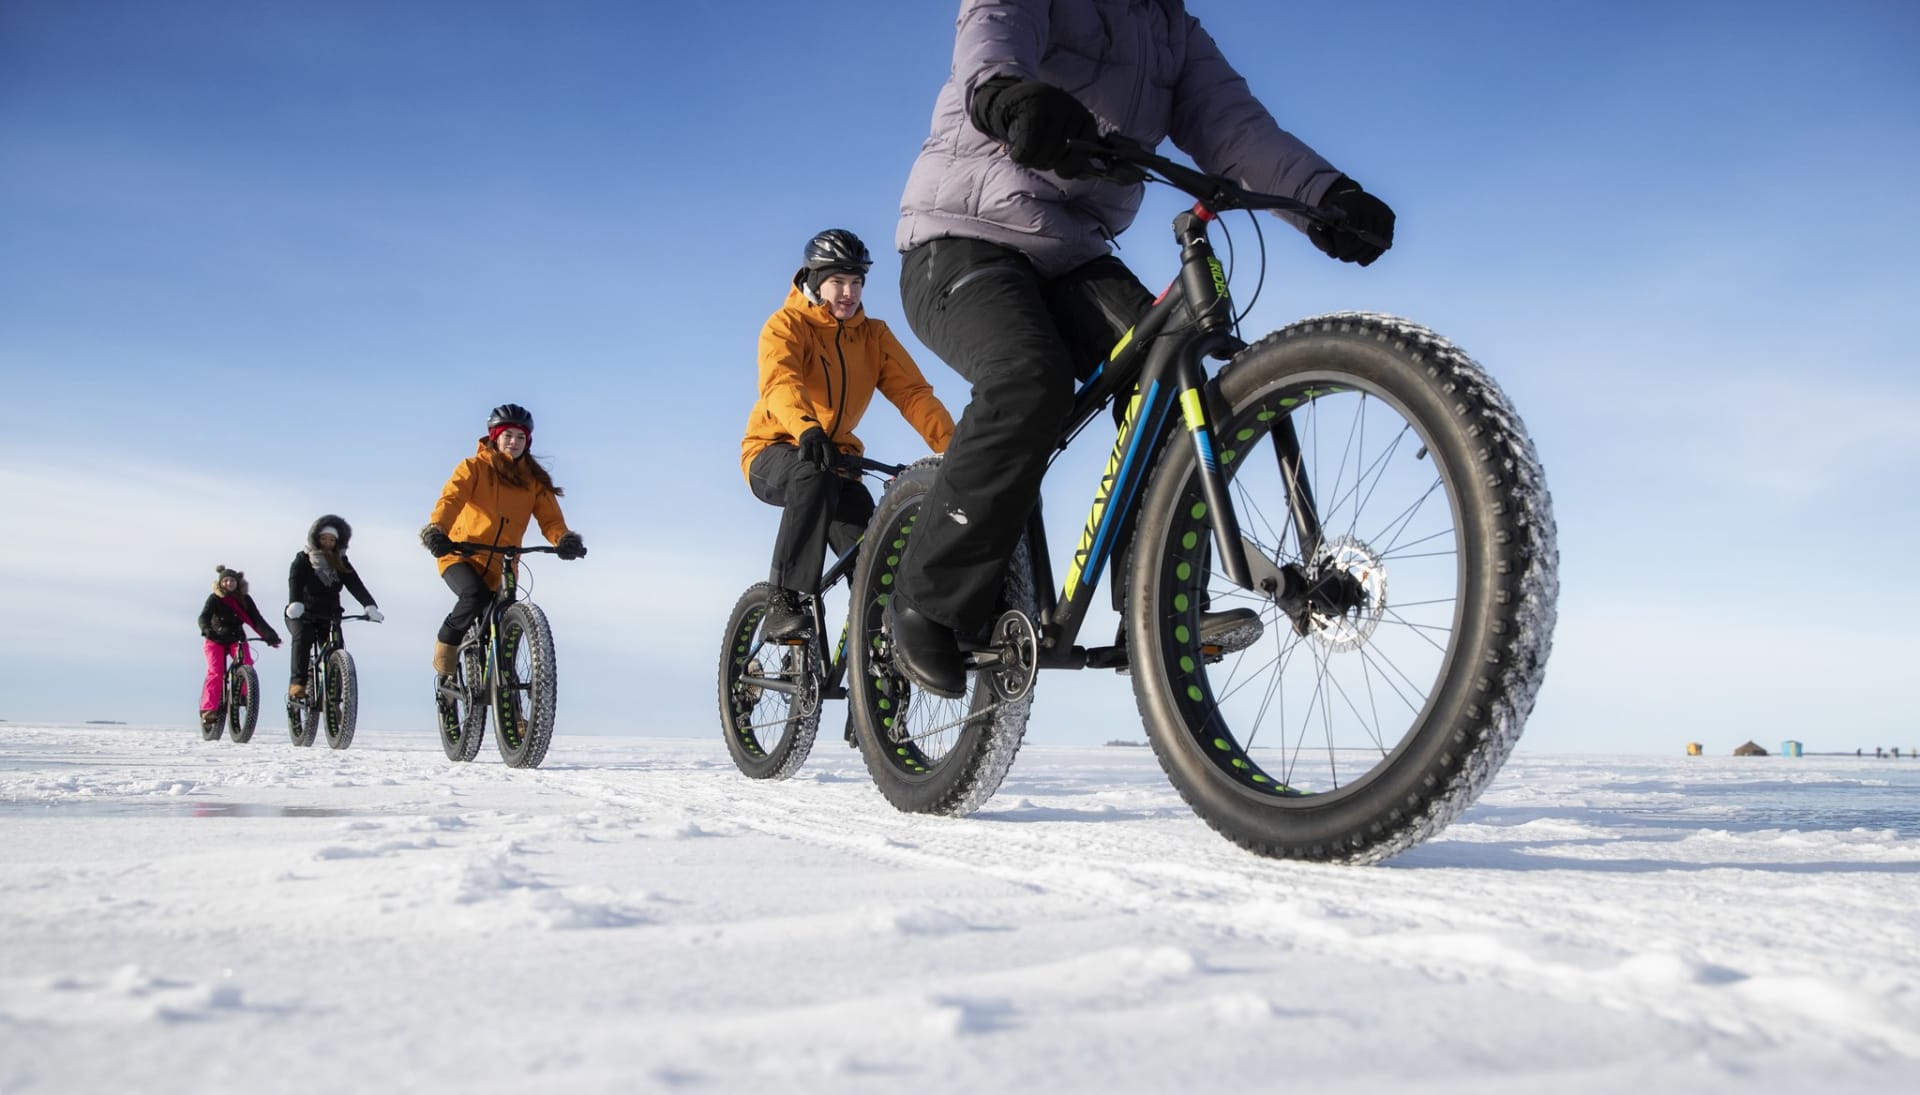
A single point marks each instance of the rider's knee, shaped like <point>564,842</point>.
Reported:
<point>1026,398</point>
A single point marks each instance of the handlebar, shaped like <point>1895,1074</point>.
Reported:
<point>861,464</point>
<point>1123,161</point>
<point>473,547</point>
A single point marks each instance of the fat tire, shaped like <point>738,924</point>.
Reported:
<point>745,713</point>
<point>303,719</point>
<point>524,699</point>
<point>460,729</point>
<point>1426,765</point>
<point>342,699</point>
<point>243,708</point>
<point>883,706</point>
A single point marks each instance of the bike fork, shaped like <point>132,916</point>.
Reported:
<point>1228,546</point>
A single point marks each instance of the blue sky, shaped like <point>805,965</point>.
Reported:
<point>263,260</point>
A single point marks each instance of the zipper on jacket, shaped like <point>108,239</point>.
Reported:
<point>839,328</point>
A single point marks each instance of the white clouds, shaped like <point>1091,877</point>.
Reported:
<point>116,550</point>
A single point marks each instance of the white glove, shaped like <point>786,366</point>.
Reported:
<point>374,615</point>
<point>296,610</point>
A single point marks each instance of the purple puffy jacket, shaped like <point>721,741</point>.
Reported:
<point>1146,69</point>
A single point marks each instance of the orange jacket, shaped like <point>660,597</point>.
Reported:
<point>477,504</point>
<point>818,371</point>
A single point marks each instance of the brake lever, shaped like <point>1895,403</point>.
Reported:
<point>1103,159</point>
<point>1335,219</point>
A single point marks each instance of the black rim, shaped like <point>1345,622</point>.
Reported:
<point>918,731</point>
<point>1298,718</point>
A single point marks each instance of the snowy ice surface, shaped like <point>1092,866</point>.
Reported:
<point>180,915</point>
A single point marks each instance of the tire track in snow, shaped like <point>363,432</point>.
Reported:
<point>1545,931</point>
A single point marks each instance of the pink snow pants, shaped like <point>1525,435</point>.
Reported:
<point>217,672</point>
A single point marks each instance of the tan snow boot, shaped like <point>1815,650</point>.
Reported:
<point>445,658</point>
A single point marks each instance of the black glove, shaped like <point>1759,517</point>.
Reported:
<point>815,449</point>
<point>1035,121</point>
<point>1365,212</point>
<point>571,547</point>
<point>436,540</point>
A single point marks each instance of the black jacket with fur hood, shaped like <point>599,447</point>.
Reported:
<point>221,623</point>
<point>316,577</point>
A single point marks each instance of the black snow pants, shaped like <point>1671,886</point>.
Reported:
<point>471,588</point>
<point>1022,340</point>
<point>818,508</point>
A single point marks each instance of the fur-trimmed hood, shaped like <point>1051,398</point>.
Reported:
<point>339,525</point>
<point>221,571</point>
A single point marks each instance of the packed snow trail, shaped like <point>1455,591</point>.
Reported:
<point>637,915</point>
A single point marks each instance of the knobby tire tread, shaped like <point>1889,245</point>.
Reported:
<point>1460,754</point>
<point>737,650</point>
<point>964,779</point>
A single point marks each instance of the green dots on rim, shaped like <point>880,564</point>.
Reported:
<point>1228,456</point>
<point>1223,745</point>
<point>1289,402</point>
<point>1180,602</point>
<point>1181,634</point>
<point>1189,540</point>
<point>886,579</point>
<point>1184,571</point>
<point>1241,764</point>
<point>882,599</point>
<point>1194,693</point>
<point>893,560</point>
<point>886,704</point>
<point>1198,511</point>
<point>1186,663</point>
<point>1260,777</point>
<point>1243,435</point>
<point>900,543</point>
<point>1267,416</point>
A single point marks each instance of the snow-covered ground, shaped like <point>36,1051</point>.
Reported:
<point>207,917</point>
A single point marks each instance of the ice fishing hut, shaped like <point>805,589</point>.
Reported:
<point>1790,748</point>
<point>1694,749</point>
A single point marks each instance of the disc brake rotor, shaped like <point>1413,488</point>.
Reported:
<point>1350,630</point>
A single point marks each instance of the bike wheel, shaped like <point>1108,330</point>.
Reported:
<point>1349,732</point>
<point>243,704</point>
<point>926,753</point>
<point>303,719</point>
<point>524,694</point>
<point>768,730</point>
<point>463,722</point>
<point>342,699</point>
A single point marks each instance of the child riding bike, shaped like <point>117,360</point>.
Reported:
<point>491,498</point>
<point>821,360</point>
<point>314,582</point>
<point>229,608</point>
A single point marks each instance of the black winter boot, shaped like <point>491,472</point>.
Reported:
<point>786,619</point>
<point>928,654</point>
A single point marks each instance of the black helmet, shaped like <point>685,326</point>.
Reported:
<point>509,414</point>
<point>837,251</point>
